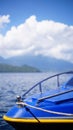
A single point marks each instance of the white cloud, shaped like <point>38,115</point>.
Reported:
<point>4,20</point>
<point>44,37</point>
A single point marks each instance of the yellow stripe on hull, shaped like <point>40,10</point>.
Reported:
<point>29,120</point>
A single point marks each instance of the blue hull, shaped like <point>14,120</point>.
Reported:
<point>49,109</point>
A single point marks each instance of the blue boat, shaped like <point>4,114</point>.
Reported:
<point>45,108</point>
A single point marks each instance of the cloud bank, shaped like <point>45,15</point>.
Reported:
<point>46,37</point>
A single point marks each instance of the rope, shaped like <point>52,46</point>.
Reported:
<point>48,111</point>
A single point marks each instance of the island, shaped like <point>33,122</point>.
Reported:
<point>12,68</point>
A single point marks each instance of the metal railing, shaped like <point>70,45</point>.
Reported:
<point>50,77</point>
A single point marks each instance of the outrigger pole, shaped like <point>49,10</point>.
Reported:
<point>32,114</point>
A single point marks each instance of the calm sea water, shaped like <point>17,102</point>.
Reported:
<point>11,85</point>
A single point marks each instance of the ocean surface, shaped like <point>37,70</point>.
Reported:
<point>14,84</point>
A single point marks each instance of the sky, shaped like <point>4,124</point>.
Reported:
<point>36,27</point>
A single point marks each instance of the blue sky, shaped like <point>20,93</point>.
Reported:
<point>19,10</point>
<point>47,23</point>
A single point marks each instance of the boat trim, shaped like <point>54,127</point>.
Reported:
<point>54,95</point>
<point>42,120</point>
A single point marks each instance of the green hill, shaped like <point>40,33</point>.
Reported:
<point>11,68</point>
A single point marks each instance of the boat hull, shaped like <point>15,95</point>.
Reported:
<point>50,109</point>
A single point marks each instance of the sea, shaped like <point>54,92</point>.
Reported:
<point>14,84</point>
